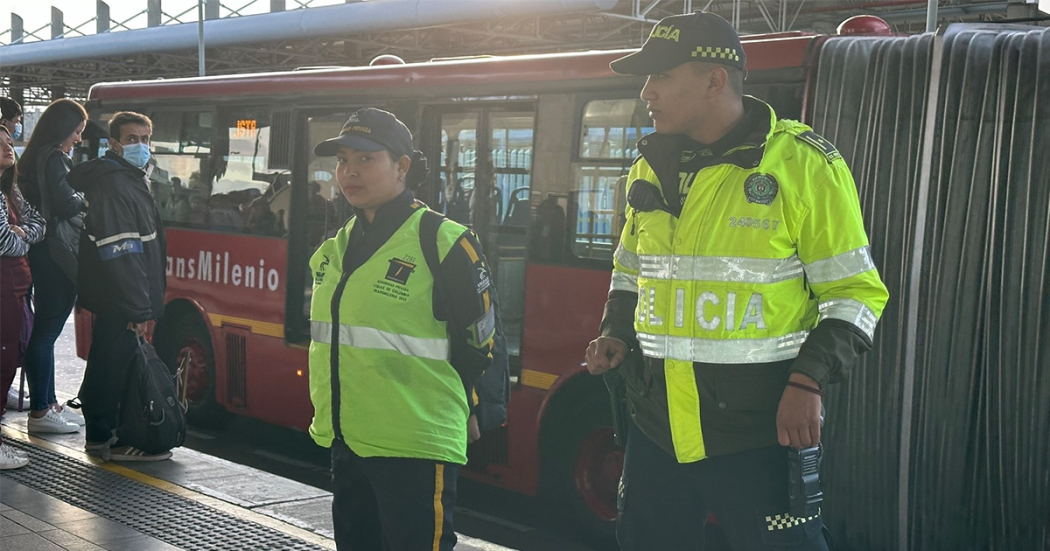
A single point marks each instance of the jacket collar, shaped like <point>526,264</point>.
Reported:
<point>394,212</point>
<point>743,146</point>
<point>112,156</point>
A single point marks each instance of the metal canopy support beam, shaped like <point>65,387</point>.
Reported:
<point>101,17</point>
<point>17,29</point>
<point>153,13</point>
<point>58,27</point>
<point>211,9</point>
<point>200,37</point>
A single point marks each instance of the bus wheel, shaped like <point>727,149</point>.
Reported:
<point>584,472</point>
<point>188,346</point>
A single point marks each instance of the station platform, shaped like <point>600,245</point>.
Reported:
<point>67,500</point>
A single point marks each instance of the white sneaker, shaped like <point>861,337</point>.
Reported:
<point>52,422</point>
<point>12,398</point>
<point>70,416</point>
<point>131,453</point>
<point>11,460</point>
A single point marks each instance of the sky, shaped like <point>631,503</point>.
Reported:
<point>36,14</point>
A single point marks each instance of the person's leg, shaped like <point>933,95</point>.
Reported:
<point>660,506</point>
<point>105,377</point>
<point>748,493</point>
<point>355,515</point>
<point>416,498</point>
<point>11,314</point>
<point>54,298</point>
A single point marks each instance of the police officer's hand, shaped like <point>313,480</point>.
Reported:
<point>798,417</point>
<point>473,432</point>
<point>605,353</point>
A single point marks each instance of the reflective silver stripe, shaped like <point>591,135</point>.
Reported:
<point>121,236</point>
<point>626,258</point>
<point>623,281</point>
<point>367,337</point>
<point>840,266</point>
<point>720,268</point>
<point>852,311</point>
<point>730,351</point>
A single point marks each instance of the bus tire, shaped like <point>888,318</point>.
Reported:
<point>186,342</point>
<point>582,471</point>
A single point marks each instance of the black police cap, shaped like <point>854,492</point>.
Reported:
<point>369,129</point>
<point>698,36</point>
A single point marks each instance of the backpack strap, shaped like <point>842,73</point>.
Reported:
<point>428,236</point>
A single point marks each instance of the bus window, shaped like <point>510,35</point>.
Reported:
<point>487,153</point>
<point>328,210</point>
<point>609,131</point>
<point>247,194</point>
<point>181,144</point>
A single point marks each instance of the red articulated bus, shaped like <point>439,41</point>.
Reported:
<point>532,151</point>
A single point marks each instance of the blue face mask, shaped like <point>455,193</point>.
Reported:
<point>18,131</point>
<point>137,154</point>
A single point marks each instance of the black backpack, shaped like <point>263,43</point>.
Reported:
<point>152,417</point>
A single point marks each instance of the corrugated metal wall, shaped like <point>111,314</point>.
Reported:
<point>941,437</point>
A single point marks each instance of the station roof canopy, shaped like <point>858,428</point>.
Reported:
<point>357,31</point>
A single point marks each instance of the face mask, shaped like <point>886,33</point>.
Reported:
<point>137,154</point>
<point>18,131</point>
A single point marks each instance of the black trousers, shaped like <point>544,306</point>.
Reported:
<point>112,347</point>
<point>392,503</point>
<point>664,504</point>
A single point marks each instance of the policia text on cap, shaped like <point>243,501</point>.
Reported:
<point>747,291</point>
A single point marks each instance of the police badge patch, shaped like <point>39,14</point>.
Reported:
<point>761,188</point>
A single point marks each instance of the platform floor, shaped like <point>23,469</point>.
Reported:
<point>65,499</point>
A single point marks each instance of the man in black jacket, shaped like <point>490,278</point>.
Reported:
<point>121,276</point>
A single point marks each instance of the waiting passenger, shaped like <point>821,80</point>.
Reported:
<point>121,275</point>
<point>43,167</point>
<point>11,118</point>
<point>20,226</point>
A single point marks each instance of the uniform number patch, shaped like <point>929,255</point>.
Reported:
<point>753,223</point>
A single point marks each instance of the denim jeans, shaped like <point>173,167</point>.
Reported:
<point>54,296</point>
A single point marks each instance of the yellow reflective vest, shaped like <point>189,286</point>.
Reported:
<point>757,258</point>
<point>398,394</point>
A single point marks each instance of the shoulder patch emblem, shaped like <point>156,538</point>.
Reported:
<point>761,188</point>
<point>820,143</point>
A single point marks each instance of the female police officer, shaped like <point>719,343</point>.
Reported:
<point>392,362</point>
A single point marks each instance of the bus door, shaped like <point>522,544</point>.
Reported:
<point>485,169</point>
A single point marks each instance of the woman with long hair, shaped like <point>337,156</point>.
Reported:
<point>20,226</point>
<point>43,168</point>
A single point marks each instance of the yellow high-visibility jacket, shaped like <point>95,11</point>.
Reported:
<point>729,291</point>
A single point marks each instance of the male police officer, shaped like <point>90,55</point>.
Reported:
<point>743,276</point>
